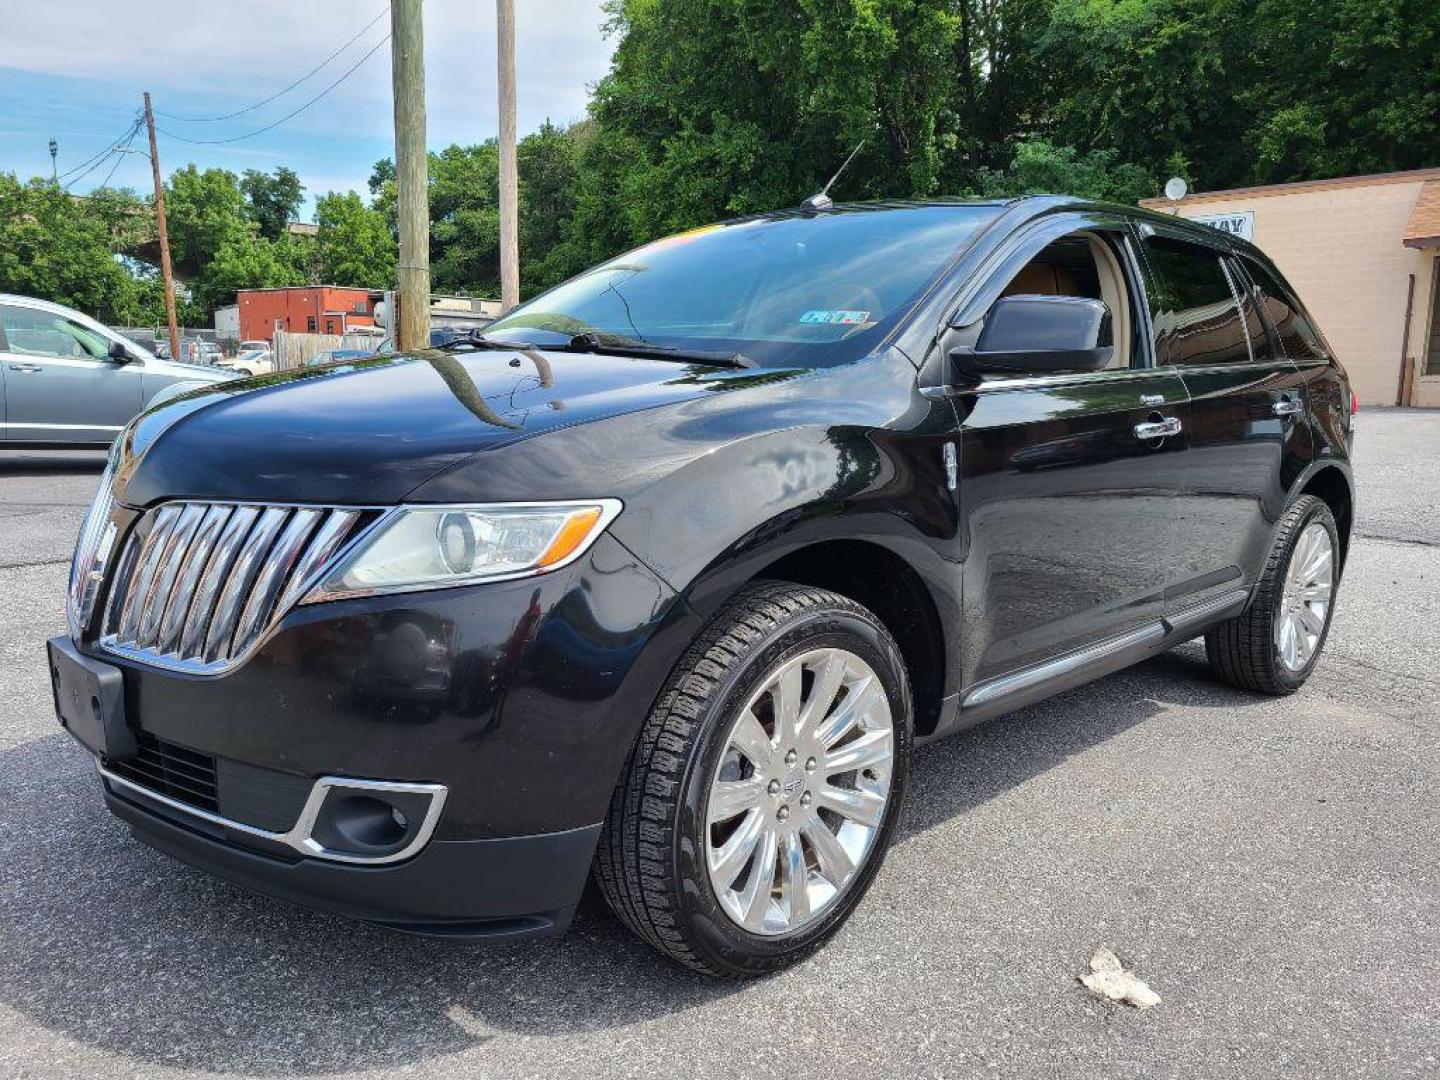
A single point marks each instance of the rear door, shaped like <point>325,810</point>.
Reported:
<point>1065,505</point>
<point>1248,435</point>
<point>60,383</point>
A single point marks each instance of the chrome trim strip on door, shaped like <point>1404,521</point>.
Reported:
<point>72,427</point>
<point>298,837</point>
<point>1046,670</point>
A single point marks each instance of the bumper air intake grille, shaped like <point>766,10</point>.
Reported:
<point>167,769</point>
<point>197,585</point>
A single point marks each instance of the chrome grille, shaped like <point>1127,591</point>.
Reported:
<point>201,586</point>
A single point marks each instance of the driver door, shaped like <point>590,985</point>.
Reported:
<point>1066,496</point>
<point>60,383</point>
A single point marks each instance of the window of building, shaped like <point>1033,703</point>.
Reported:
<point>1432,345</point>
<point>1196,316</point>
<point>1292,326</point>
<point>310,323</point>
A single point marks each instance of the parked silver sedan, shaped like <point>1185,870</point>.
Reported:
<point>67,380</point>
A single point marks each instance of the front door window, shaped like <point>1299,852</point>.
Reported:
<point>32,332</point>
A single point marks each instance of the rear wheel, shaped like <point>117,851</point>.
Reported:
<point>1275,644</point>
<point>766,784</point>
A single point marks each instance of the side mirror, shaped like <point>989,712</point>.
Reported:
<point>1028,335</point>
<point>119,353</point>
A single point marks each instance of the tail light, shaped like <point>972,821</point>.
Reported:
<point>1354,403</point>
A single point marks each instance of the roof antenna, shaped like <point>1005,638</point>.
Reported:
<point>821,199</point>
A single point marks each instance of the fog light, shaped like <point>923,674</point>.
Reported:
<point>365,821</point>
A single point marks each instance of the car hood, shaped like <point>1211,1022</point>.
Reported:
<point>371,431</point>
<point>193,372</point>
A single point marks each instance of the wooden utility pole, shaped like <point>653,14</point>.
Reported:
<point>166,274</point>
<point>509,175</point>
<point>412,295</point>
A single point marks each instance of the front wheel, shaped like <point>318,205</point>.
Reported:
<point>1274,645</point>
<point>766,785</point>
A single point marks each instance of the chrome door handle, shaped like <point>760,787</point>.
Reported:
<point>1286,406</point>
<point>1158,429</point>
<point>25,367</point>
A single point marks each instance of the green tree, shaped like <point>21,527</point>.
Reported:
<point>217,245</point>
<point>60,247</point>
<point>723,107</point>
<point>1041,167</point>
<point>547,164</point>
<point>205,211</point>
<point>354,245</point>
<point>272,200</point>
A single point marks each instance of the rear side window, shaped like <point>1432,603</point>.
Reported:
<point>1197,320</point>
<point>1292,326</point>
<point>1262,343</point>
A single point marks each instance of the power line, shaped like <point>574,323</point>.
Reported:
<point>288,116</point>
<point>100,159</point>
<point>103,152</point>
<point>120,155</point>
<point>278,93</point>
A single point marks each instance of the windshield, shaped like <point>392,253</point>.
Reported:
<point>802,289</point>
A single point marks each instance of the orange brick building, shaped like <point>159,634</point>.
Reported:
<point>310,309</point>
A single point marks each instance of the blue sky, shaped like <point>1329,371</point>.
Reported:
<point>74,70</point>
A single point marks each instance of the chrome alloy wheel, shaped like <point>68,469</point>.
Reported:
<point>800,791</point>
<point>1305,602</point>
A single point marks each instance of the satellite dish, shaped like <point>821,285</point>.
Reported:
<point>1175,188</point>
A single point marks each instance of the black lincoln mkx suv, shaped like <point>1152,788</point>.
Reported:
<point>663,576</point>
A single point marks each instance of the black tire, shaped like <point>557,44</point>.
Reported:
<point>650,865</point>
<point>1242,650</point>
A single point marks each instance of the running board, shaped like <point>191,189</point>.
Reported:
<point>1038,681</point>
<point>1050,671</point>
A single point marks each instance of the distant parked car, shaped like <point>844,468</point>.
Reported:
<point>204,352</point>
<point>248,346</point>
<point>71,381</point>
<point>337,356</point>
<point>249,362</point>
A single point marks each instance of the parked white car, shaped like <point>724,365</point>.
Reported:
<point>67,380</point>
<point>249,362</point>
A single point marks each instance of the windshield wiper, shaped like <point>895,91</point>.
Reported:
<point>476,339</point>
<point>591,343</point>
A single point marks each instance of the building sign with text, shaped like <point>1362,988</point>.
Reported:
<point>1239,223</point>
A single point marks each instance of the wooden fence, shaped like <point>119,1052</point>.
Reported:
<point>293,350</point>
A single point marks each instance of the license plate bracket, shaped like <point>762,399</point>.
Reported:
<point>90,700</point>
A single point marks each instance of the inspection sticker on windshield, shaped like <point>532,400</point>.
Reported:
<point>846,317</point>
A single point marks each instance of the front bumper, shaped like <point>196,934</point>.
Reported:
<point>514,887</point>
<point>521,699</point>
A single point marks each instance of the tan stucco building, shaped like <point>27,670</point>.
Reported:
<point>1363,252</point>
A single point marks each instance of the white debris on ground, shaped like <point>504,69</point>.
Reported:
<point>1108,979</point>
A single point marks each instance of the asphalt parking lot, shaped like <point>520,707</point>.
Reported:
<point>1268,866</point>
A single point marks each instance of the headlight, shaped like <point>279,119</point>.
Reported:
<point>431,547</point>
<point>92,551</point>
